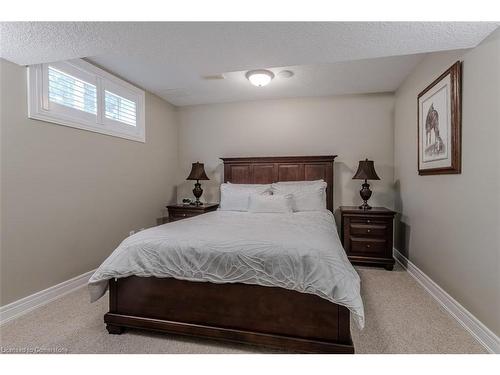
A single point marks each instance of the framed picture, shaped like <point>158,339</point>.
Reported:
<point>439,124</point>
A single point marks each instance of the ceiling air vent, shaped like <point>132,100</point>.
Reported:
<point>213,77</point>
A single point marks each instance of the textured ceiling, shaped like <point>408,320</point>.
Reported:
<point>172,59</point>
<point>352,77</point>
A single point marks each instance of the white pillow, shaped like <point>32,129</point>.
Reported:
<point>270,203</point>
<point>234,197</point>
<point>299,183</point>
<point>250,186</point>
<point>307,195</point>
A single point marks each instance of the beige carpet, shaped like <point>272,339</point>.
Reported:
<point>400,318</point>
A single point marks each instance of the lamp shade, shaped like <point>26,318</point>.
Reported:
<point>197,172</point>
<point>366,171</point>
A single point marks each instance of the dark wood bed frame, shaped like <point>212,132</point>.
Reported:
<point>251,314</point>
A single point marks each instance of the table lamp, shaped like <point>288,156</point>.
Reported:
<point>197,173</point>
<point>366,171</point>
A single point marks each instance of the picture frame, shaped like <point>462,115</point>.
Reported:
<point>439,122</point>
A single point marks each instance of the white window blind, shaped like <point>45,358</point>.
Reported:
<point>71,92</point>
<point>119,108</point>
<point>76,93</point>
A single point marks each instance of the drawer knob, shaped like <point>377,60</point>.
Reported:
<point>367,245</point>
<point>368,221</point>
<point>368,230</point>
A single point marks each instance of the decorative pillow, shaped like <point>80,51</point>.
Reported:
<point>234,197</point>
<point>270,203</point>
<point>307,195</point>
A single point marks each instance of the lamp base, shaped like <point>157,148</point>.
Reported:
<point>365,206</point>
<point>197,192</point>
<point>365,194</point>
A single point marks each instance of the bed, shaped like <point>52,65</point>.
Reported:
<point>288,310</point>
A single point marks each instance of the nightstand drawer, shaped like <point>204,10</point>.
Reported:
<point>371,230</point>
<point>182,215</point>
<point>372,246</point>
<point>368,221</point>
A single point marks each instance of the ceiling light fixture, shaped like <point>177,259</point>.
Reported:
<point>260,77</point>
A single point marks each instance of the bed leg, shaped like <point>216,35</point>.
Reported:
<point>114,330</point>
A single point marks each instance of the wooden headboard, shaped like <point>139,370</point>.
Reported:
<point>266,170</point>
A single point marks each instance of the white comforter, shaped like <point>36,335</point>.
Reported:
<point>299,251</point>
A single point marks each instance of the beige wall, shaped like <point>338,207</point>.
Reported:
<point>70,196</point>
<point>451,223</point>
<point>353,127</point>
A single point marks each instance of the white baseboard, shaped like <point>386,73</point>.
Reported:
<point>20,307</point>
<point>477,329</point>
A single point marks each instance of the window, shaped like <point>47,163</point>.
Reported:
<point>72,92</point>
<point>78,94</point>
<point>119,109</point>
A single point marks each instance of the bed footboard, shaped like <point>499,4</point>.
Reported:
<point>251,314</point>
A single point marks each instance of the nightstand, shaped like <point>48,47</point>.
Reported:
<point>367,235</point>
<point>183,211</point>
